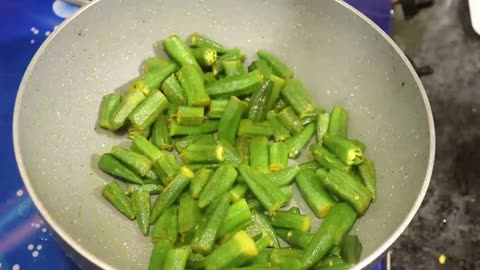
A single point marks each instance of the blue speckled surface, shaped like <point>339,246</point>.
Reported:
<point>26,241</point>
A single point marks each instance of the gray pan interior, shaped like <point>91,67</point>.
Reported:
<point>341,57</point>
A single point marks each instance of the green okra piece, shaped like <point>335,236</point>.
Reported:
<point>259,153</point>
<point>160,136</point>
<point>172,112</point>
<point>176,48</point>
<point>113,193</point>
<point>176,258</point>
<point>295,238</point>
<point>237,218</point>
<point>280,132</point>
<point>233,67</point>
<point>183,142</point>
<point>238,192</point>
<point>344,186</point>
<point>166,167</point>
<point>278,156</point>
<point>234,54</point>
<point>290,120</point>
<point>359,144</point>
<point>255,205</point>
<point>199,181</point>
<point>146,148</point>
<point>367,171</point>
<point>148,110</point>
<point>206,57</point>
<point>134,133</point>
<point>159,253</point>
<point>338,124</point>
<point>120,114</point>
<point>152,63</point>
<point>139,163</point>
<point>237,85</point>
<point>141,207</point>
<point>346,151</point>
<point>336,224</point>
<point>335,252</point>
<point>166,227</point>
<point>190,116</point>
<point>216,108</point>
<point>208,126</point>
<point>297,96</point>
<point>198,166</point>
<point>219,183</point>
<point>278,84</point>
<point>251,128</point>
<point>207,230</point>
<point>171,192</point>
<point>332,262</point>
<point>200,41</point>
<point>311,165</point>
<point>188,214</point>
<point>300,140</point>
<point>231,156</point>
<point>109,103</point>
<point>151,188</point>
<point>257,108</point>
<point>243,148</point>
<point>259,226</point>
<point>279,105</point>
<point>151,178</point>
<point>196,261</point>
<point>193,83</point>
<point>289,220</point>
<point>326,159</point>
<point>109,164</point>
<point>284,176</point>
<point>323,120</point>
<point>262,259</point>
<point>262,66</point>
<point>314,193</point>
<point>286,257</point>
<point>269,195</point>
<point>236,251</point>
<point>153,79</point>
<point>209,77</point>
<point>264,242</point>
<point>309,119</point>
<point>260,266</point>
<point>230,120</point>
<point>278,67</point>
<point>174,91</point>
<point>201,153</point>
<point>351,249</point>
<point>288,192</point>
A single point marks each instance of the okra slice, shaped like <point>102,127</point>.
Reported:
<point>190,116</point>
<point>347,151</point>
<point>176,258</point>
<point>243,148</point>
<point>153,79</point>
<point>192,81</point>
<point>176,48</point>
<point>278,84</point>
<point>251,128</point>
<point>166,228</point>
<point>367,171</point>
<point>300,140</point>
<point>323,122</point>
<point>141,207</point>
<point>314,193</point>
<point>166,167</point>
<point>338,124</point>
<point>262,66</point>
<point>278,67</point>
<point>206,57</point>
<point>208,126</point>
<point>259,153</point>
<point>159,253</point>
<point>295,238</point>
<point>139,163</point>
<point>107,107</point>
<point>174,91</point>
<point>237,218</point>
<point>280,132</point>
<point>160,136</point>
<point>216,108</point>
<point>238,192</point>
<point>257,109</point>
<point>284,176</point>
<point>351,249</point>
<point>201,153</point>
<point>152,63</point>
<point>233,54</point>
<point>289,220</point>
<point>115,195</point>
<point>290,120</point>
<point>188,214</point>
<point>236,251</point>
<point>131,100</point>
<point>219,183</point>
<point>230,120</point>
<point>109,164</point>
<point>146,148</point>
<point>233,68</point>
<point>201,41</point>
<point>328,160</point>
<point>278,156</point>
<point>148,110</point>
<point>199,181</point>
<point>298,97</point>
<point>238,85</point>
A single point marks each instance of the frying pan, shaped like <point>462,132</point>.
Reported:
<point>341,57</point>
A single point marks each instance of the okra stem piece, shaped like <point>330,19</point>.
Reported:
<point>188,214</point>
<point>323,120</point>
<point>234,54</point>
<point>151,188</point>
<point>278,84</point>
<point>326,159</point>
<point>250,128</point>
<point>233,68</point>
<point>216,108</point>
<point>347,151</point>
<point>199,181</point>
<point>351,249</point>
<point>192,81</point>
<point>176,258</point>
<point>234,252</point>
<point>290,120</point>
<point>338,124</point>
<point>146,148</point>
<point>238,85</point>
<point>367,171</point>
<point>153,79</point>
<point>297,96</point>
<point>278,154</point>
<point>262,66</point>
<point>243,148</point>
<point>171,192</point>
<point>238,192</point>
<point>284,176</point>
<point>207,230</point>
<point>201,153</point>
<point>257,109</point>
<point>200,41</point>
<point>278,67</point>
<point>159,253</point>
<point>219,183</point>
<point>166,228</point>
<point>147,112</point>
<point>300,140</point>
<point>166,167</point>
<point>174,91</point>
<point>295,238</point>
<point>238,217</point>
<point>208,126</point>
<point>280,132</point>
<point>141,207</point>
<point>115,195</point>
<point>140,164</point>
<point>269,195</point>
<point>109,103</point>
<point>336,224</point>
<point>259,153</point>
<point>230,120</point>
<point>190,116</point>
<point>206,57</point>
<point>109,164</point>
<point>160,136</point>
<point>314,193</point>
<point>289,220</point>
<point>152,63</point>
<point>131,100</point>
<point>176,48</point>
<point>348,189</point>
